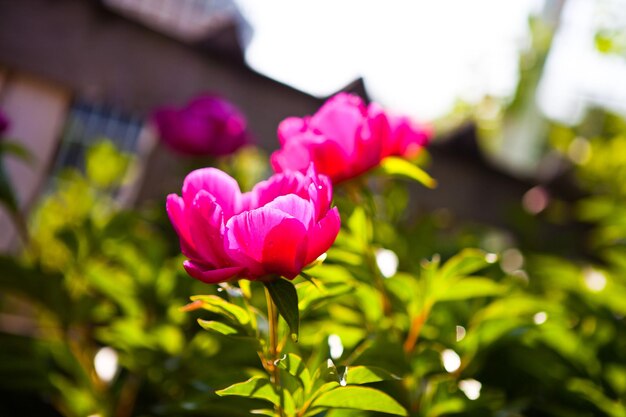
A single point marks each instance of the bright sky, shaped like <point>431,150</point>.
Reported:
<point>416,56</point>
<point>576,74</point>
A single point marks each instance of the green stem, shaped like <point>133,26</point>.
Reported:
<point>274,352</point>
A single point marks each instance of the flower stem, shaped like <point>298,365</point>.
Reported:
<point>274,352</point>
<point>416,329</point>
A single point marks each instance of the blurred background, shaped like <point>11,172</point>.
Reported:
<point>527,98</point>
<point>492,77</point>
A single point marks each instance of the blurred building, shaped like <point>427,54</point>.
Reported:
<point>73,71</point>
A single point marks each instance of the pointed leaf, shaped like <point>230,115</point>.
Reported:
<point>471,288</point>
<point>255,387</point>
<point>285,297</point>
<point>16,149</point>
<point>359,398</point>
<point>261,388</point>
<point>263,412</point>
<point>400,167</point>
<point>218,327</point>
<point>466,262</point>
<point>294,366</point>
<point>356,375</point>
<point>218,305</point>
<point>446,407</point>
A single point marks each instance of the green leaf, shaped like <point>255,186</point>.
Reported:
<point>261,388</point>
<point>327,372</point>
<point>218,305</point>
<point>400,167</point>
<point>294,366</point>
<point>16,149</point>
<point>466,262</point>
<point>46,288</point>
<point>106,165</point>
<point>263,412</point>
<point>69,239</point>
<point>7,194</point>
<point>471,288</point>
<point>285,297</point>
<point>255,387</point>
<point>218,327</point>
<point>595,395</point>
<point>360,226</point>
<point>314,293</point>
<point>356,375</point>
<point>359,398</point>
<point>446,407</point>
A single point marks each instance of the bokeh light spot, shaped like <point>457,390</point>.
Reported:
<point>535,200</point>
<point>451,360</point>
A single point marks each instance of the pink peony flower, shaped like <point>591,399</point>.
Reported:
<point>345,138</point>
<point>278,228</point>
<point>207,126</point>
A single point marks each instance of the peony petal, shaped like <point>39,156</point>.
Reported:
<point>289,128</point>
<point>175,207</point>
<point>266,241</point>
<point>211,276</point>
<point>320,191</point>
<point>332,160</point>
<point>207,226</point>
<point>322,235</point>
<point>217,183</point>
<point>374,132</point>
<point>284,250</point>
<point>408,137</point>
<point>295,206</point>
<point>289,182</point>
<point>339,119</point>
<point>294,156</point>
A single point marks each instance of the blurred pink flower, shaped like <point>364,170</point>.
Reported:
<point>4,122</point>
<point>345,138</point>
<point>207,126</point>
<point>279,227</point>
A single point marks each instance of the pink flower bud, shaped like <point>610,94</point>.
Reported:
<point>207,126</point>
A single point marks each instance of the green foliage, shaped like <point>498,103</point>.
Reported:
<point>400,167</point>
<point>307,395</point>
<point>451,328</point>
<point>105,166</point>
<point>285,296</point>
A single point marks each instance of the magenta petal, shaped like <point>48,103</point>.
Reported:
<point>294,156</point>
<point>267,241</point>
<point>211,276</point>
<point>369,147</point>
<point>217,183</point>
<point>175,207</point>
<point>320,191</point>
<point>322,235</point>
<point>408,137</point>
<point>295,206</point>
<point>206,221</point>
<point>279,184</point>
<point>289,128</point>
<point>339,118</point>
<point>332,160</point>
<point>284,248</point>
